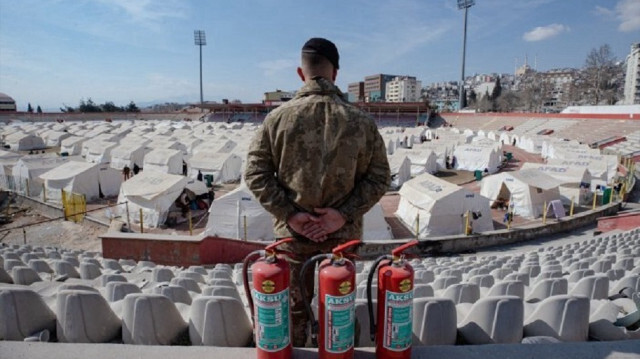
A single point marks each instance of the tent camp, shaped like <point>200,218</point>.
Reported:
<point>439,207</point>
<point>154,193</point>
<point>164,160</point>
<point>229,213</point>
<point>128,154</point>
<point>89,179</point>
<point>526,190</point>
<point>575,181</point>
<point>474,157</point>
<point>225,167</point>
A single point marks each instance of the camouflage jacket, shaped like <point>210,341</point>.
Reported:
<point>315,151</point>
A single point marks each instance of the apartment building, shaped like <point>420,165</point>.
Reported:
<point>356,92</point>
<point>403,89</point>
<point>632,78</point>
<point>375,87</point>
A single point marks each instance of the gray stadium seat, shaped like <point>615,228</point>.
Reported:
<point>24,275</point>
<point>116,291</point>
<point>176,293</point>
<point>507,287</point>
<point>593,287</point>
<point>85,317</point>
<point>150,319</point>
<point>161,274</point>
<point>23,313</point>
<point>563,317</point>
<point>434,321</point>
<point>219,321</point>
<point>493,320</point>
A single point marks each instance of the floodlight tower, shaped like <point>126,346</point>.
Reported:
<point>464,4</point>
<point>200,40</point>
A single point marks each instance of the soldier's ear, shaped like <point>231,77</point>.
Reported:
<point>301,74</point>
<point>335,74</point>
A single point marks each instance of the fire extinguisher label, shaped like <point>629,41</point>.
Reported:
<point>272,320</point>
<point>398,320</point>
<point>340,317</point>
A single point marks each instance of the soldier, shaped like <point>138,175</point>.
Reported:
<point>317,165</point>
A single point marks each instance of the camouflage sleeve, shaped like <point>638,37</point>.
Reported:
<point>372,186</point>
<point>260,177</point>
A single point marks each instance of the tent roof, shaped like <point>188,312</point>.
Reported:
<point>67,170</point>
<point>151,184</point>
<point>427,188</point>
<point>566,174</point>
<point>535,178</point>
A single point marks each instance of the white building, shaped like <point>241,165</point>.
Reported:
<point>403,89</point>
<point>632,80</point>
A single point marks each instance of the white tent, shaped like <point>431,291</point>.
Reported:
<point>164,160</point>
<point>225,167</point>
<point>20,141</point>
<point>7,161</point>
<point>99,151</point>
<point>229,214</point>
<point>526,190</point>
<point>602,167</point>
<point>422,160</point>
<point>26,172</point>
<point>154,193</point>
<point>575,181</point>
<point>54,138</point>
<point>72,145</point>
<point>438,207</point>
<point>474,157</point>
<point>128,154</point>
<point>84,178</point>
<point>400,167</point>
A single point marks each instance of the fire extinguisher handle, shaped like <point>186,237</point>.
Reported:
<point>343,247</point>
<point>272,247</point>
<point>396,252</point>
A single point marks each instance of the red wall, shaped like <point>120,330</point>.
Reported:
<point>623,222</point>
<point>210,250</point>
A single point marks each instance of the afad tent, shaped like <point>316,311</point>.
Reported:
<point>526,190</point>
<point>89,179</point>
<point>152,192</point>
<point>225,167</point>
<point>20,141</point>
<point>423,160</point>
<point>164,160</point>
<point>473,157</point>
<point>72,145</point>
<point>438,207</point>
<point>575,181</point>
<point>238,210</point>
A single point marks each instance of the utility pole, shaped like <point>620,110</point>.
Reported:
<point>200,40</point>
<point>464,4</point>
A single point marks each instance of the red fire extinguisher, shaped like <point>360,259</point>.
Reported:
<point>394,333</point>
<point>269,300</point>
<point>336,303</point>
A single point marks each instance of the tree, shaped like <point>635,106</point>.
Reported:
<point>67,109</point>
<point>131,107</point>
<point>110,107</point>
<point>29,108</point>
<point>473,98</point>
<point>38,109</point>
<point>89,106</point>
<point>484,105</point>
<point>508,101</point>
<point>598,75</point>
<point>495,94</point>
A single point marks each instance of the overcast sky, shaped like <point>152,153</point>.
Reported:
<point>56,52</point>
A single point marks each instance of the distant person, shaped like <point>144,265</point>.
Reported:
<point>184,168</point>
<point>136,169</point>
<point>199,177</point>
<point>126,171</point>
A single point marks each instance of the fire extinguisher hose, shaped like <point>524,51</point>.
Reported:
<point>372,271</point>
<point>312,320</point>
<point>250,258</point>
